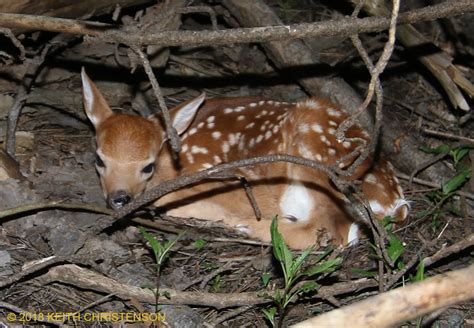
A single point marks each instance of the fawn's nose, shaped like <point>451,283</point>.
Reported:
<point>118,199</point>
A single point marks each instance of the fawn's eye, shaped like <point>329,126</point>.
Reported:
<point>149,168</point>
<point>98,161</point>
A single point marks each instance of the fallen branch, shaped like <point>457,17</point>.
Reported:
<point>450,250</point>
<point>74,275</point>
<point>129,35</point>
<point>401,304</point>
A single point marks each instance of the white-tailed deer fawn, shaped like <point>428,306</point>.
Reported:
<point>132,156</point>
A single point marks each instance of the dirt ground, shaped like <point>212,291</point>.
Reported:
<point>55,152</point>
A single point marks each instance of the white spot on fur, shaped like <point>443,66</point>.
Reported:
<point>233,139</point>
<point>261,102</point>
<point>323,138</point>
<point>268,135</point>
<point>259,138</point>
<point>303,128</point>
<point>333,112</point>
<point>318,157</point>
<point>241,118</point>
<point>347,144</point>
<point>276,128</point>
<point>225,147</point>
<point>304,151</point>
<point>190,158</point>
<point>200,125</point>
<point>207,166</point>
<point>332,123</point>
<point>297,202</point>
<point>228,110</point>
<point>199,150</point>
<point>211,125</point>
<point>211,119</point>
<point>331,151</point>
<point>192,131</point>
<point>317,128</point>
<point>370,178</point>
<point>239,109</point>
<point>252,105</point>
<point>353,234</point>
<point>312,104</point>
<point>216,135</point>
<point>184,148</point>
<point>217,159</point>
<point>250,125</point>
<point>252,142</point>
<point>332,131</point>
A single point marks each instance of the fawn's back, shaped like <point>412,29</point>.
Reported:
<point>132,156</point>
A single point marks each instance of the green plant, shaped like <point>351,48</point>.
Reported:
<point>439,198</point>
<point>293,273</point>
<point>161,252</point>
<point>216,284</point>
<point>199,243</point>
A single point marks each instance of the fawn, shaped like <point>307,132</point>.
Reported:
<point>132,156</point>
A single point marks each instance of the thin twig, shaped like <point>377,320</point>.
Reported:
<point>433,185</point>
<point>38,265</point>
<point>251,197</point>
<point>35,65</point>
<point>9,34</point>
<point>230,314</point>
<point>447,135</point>
<point>339,27</point>
<point>170,130</point>
<point>54,205</point>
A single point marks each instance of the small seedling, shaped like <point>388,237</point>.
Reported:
<point>293,272</point>
<point>198,244</point>
<point>161,252</point>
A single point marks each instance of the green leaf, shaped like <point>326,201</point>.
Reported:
<point>154,243</point>
<point>395,247</point>
<point>327,266</point>
<point>166,294</point>
<point>295,266</point>
<point>456,182</point>
<point>308,286</point>
<point>266,278</point>
<point>458,154</point>
<point>420,272</point>
<point>387,223</point>
<point>280,249</point>
<point>363,273</point>
<point>438,150</point>
<point>200,243</point>
<point>270,315</point>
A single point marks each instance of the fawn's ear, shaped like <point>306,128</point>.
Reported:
<point>95,106</point>
<point>183,115</point>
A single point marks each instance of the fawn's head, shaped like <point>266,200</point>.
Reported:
<point>128,145</point>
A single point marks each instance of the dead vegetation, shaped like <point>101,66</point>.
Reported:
<point>62,251</point>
